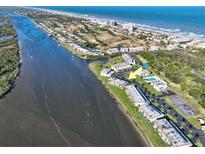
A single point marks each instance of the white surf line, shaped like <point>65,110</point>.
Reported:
<point>50,116</point>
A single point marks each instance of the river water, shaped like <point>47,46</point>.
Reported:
<point>57,101</point>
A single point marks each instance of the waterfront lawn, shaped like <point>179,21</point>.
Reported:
<point>144,125</point>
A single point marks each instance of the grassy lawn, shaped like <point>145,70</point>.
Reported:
<point>184,73</point>
<point>192,119</point>
<point>78,54</point>
<point>189,99</point>
<point>144,125</point>
<point>114,60</point>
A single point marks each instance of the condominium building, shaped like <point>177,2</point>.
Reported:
<point>150,112</point>
<point>135,95</point>
<point>171,134</point>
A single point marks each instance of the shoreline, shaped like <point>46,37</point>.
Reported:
<point>70,49</point>
<point>141,125</point>
<point>78,54</point>
<point>92,18</point>
<point>124,110</point>
<point>120,105</point>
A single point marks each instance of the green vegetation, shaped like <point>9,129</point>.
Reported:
<point>90,45</point>
<point>185,70</point>
<point>9,57</point>
<point>114,60</point>
<point>192,119</point>
<point>141,37</point>
<point>7,29</point>
<point>144,125</point>
<point>148,86</point>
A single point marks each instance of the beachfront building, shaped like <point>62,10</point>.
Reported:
<point>181,40</point>
<point>157,83</point>
<point>134,94</point>
<point>118,82</point>
<point>129,26</point>
<point>129,59</point>
<point>150,112</point>
<point>142,61</point>
<point>121,66</point>
<point>107,72</point>
<point>171,134</point>
<point>111,23</point>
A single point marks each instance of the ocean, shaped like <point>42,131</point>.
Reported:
<point>185,20</point>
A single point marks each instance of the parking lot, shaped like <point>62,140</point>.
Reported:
<point>181,104</point>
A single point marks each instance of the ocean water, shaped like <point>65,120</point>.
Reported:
<point>186,20</point>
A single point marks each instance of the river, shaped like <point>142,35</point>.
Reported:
<point>57,101</point>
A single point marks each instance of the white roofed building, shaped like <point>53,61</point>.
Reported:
<point>118,82</point>
<point>107,72</point>
<point>171,134</point>
<point>129,59</point>
<point>113,51</point>
<point>135,95</point>
<point>121,66</point>
<point>136,49</point>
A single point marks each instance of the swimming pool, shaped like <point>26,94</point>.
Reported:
<point>153,78</point>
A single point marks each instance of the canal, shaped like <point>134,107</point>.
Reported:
<point>57,101</point>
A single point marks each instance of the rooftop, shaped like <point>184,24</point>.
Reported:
<point>121,66</point>
<point>150,112</point>
<point>135,95</point>
<point>171,134</point>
